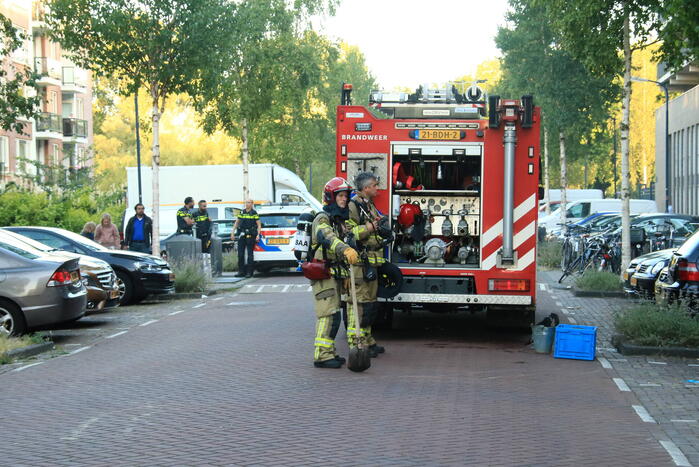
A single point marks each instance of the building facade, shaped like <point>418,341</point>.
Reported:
<point>61,136</point>
<point>680,171</point>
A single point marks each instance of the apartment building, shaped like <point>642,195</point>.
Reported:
<point>61,136</point>
<point>680,171</point>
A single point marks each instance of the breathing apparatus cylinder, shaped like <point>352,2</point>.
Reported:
<point>302,239</point>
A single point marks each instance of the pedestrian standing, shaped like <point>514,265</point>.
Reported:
<point>328,234</point>
<point>247,230</point>
<point>184,217</point>
<point>89,230</point>
<point>203,223</point>
<point>139,231</point>
<point>106,234</point>
<point>364,221</point>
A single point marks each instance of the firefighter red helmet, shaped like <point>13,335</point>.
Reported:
<point>408,213</point>
<point>333,187</point>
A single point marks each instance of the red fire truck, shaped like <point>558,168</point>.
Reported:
<point>458,176</point>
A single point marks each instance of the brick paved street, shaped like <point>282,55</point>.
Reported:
<point>659,383</point>
<point>229,380</point>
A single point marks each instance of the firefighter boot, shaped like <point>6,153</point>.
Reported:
<point>332,363</point>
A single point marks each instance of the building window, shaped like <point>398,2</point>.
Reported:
<point>79,108</point>
<point>54,155</point>
<point>24,158</point>
<point>21,55</point>
<point>53,102</point>
<point>4,155</point>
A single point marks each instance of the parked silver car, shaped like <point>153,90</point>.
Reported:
<point>37,288</point>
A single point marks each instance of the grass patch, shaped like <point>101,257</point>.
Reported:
<point>599,281</point>
<point>11,343</point>
<point>658,326</point>
<point>189,277</point>
<point>230,262</point>
<point>550,254</point>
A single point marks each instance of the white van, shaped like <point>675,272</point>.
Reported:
<point>578,210</point>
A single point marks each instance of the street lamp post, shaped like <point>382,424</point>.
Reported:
<point>667,135</point>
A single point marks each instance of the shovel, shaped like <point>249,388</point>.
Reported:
<point>359,358</point>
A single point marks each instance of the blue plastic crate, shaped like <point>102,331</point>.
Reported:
<point>575,342</point>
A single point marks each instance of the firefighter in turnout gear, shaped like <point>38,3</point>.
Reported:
<point>184,217</point>
<point>203,223</point>
<point>247,228</point>
<point>369,232</point>
<point>328,232</point>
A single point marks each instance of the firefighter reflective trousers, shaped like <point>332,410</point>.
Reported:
<point>326,298</point>
<point>367,308</point>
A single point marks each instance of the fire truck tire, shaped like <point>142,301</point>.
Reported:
<point>384,318</point>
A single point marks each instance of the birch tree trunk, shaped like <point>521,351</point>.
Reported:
<point>564,175</point>
<point>246,173</point>
<point>155,150</point>
<point>625,116</point>
<point>547,196</point>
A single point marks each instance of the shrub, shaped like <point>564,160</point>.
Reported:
<point>601,281</point>
<point>550,254</point>
<point>658,326</point>
<point>230,262</point>
<point>189,277</point>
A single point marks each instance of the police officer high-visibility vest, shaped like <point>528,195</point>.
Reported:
<point>203,222</point>
<point>247,224</point>
<point>182,227</point>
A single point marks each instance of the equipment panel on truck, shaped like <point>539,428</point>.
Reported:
<point>458,175</point>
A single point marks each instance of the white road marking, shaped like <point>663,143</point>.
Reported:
<point>605,363</point>
<point>542,286</point>
<point>683,421</point>
<point>286,287</point>
<point>260,289</point>
<point>677,457</point>
<point>175,312</point>
<point>621,384</point>
<point>27,366</point>
<point>693,364</point>
<point>618,360</point>
<point>199,306</point>
<point>650,385</point>
<point>75,434</point>
<point>149,322</point>
<point>572,320</point>
<point>559,304</point>
<point>216,299</point>
<point>309,289</point>
<point>657,363</point>
<point>79,350</point>
<point>117,334</point>
<point>643,414</point>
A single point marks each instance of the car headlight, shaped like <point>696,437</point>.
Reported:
<point>658,267</point>
<point>147,267</point>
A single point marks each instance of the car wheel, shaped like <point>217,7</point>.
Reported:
<point>12,321</point>
<point>125,288</point>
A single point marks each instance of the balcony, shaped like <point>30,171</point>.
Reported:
<point>49,126</point>
<point>73,80</point>
<point>74,130</point>
<point>39,17</point>
<point>49,71</point>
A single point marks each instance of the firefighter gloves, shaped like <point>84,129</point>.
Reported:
<point>351,256</point>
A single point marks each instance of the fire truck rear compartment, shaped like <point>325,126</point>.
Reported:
<point>444,180</point>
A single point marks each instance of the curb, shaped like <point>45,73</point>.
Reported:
<point>625,348</point>
<point>30,350</point>
<point>599,294</point>
<point>178,296</point>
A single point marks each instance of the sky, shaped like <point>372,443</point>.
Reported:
<point>408,42</point>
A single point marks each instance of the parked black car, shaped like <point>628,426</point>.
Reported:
<point>139,274</point>
<point>640,277</point>
<point>682,281</point>
<point>665,230</point>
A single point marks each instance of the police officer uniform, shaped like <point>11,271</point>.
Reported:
<point>362,211</point>
<point>247,235</point>
<point>203,223</point>
<point>182,226</point>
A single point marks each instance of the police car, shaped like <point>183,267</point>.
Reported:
<point>275,249</point>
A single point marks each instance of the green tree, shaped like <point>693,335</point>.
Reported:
<point>162,45</point>
<point>679,32</point>
<point>600,33</point>
<point>13,102</point>
<point>274,65</point>
<point>574,102</point>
